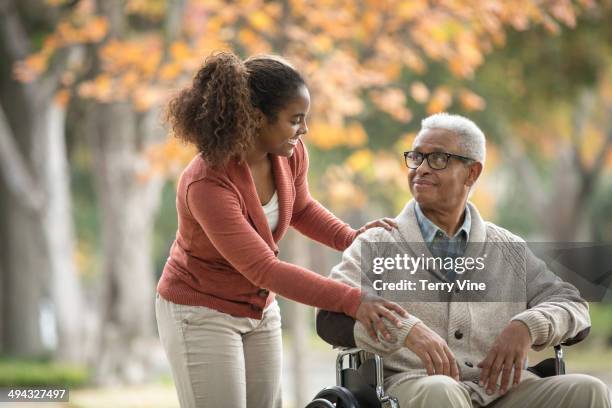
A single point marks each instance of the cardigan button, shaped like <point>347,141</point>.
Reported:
<point>263,293</point>
<point>458,335</point>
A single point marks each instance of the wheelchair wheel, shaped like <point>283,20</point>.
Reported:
<point>320,403</point>
<point>339,397</point>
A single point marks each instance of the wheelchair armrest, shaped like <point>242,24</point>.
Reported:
<point>336,328</point>
<point>369,366</point>
<point>556,365</point>
<point>577,338</point>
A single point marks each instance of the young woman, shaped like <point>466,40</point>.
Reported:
<point>217,315</point>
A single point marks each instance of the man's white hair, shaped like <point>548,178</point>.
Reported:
<point>472,140</point>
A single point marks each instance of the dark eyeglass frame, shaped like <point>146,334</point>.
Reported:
<point>425,156</point>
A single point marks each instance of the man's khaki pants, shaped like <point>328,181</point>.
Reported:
<point>218,360</point>
<point>563,391</point>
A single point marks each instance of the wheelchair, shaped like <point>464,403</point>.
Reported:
<point>359,375</point>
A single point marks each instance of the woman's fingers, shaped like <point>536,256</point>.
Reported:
<point>373,310</point>
<point>374,323</point>
<point>380,325</point>
<point>386,223</point>
<point>397,308</point>
<point>370,329</point>
<point>390,221</point>
<point>364,316</point>
<point>387,313</point>
<point>380,223</point>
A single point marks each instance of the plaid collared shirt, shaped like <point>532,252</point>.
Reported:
<point>440,244</point>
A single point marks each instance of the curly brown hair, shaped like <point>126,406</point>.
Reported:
<point>217,112</point>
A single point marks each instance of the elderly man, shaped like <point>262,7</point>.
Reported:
<point>453,352</point>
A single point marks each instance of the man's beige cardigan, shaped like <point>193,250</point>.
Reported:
<point>553,311</point>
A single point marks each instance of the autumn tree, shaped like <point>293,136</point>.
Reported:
<point>559,144</point>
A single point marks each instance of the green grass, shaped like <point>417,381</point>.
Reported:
<point>19,373</point>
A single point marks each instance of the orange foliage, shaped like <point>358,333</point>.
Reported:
<point>419,92</point>
<point>360,160</point>
<point>608,161</point>
<point>470,101</point>
<point>345,49</point>
<point>484,201</point>
<point>404,143</point>
<point>355,45</point>
<point>393,102</point>
<point>389,170</point>
<point>440,100</point>
<point>342,190</point>
<point>326,136</point>
<point>169,157</point>
<point>62,97</point>
<point>153,9</point>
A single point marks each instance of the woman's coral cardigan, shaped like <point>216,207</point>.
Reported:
<point>225,256</point>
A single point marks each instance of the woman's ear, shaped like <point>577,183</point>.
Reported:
<point>474,171</point>
<point>260,118</point>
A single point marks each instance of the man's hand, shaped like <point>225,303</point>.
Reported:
<point>432,350</point>
<point>508,350</point>
<point>371,311</point>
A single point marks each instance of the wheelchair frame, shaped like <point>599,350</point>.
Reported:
<point>360,376</point>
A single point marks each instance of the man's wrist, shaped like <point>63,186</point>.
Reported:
<point>523,327</point>
<point>407,333</point>
<point>537,323</point>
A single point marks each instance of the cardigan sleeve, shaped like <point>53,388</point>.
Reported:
<point>312,219</point>
<point>217,210</point>
<point>556,311</point>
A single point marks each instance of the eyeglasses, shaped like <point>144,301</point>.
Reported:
<point>436,160</point>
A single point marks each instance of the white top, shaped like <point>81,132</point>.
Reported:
<point>271,211</point>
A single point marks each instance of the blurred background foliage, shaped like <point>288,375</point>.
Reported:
<point>88,173</point>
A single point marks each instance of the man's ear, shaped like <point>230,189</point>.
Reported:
<point>474,171</point>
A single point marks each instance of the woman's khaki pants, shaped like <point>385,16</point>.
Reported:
<point>218,360</point>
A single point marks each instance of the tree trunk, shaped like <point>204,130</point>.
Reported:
<point>295,249</point>
<point>39,264</point>
<point>299,345</point>
<point>37,227</point>
<point>129,198</point>
<point>3,314</point>
<point>25,267</point>
<point>58,228</point>
<point>21,263</point>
